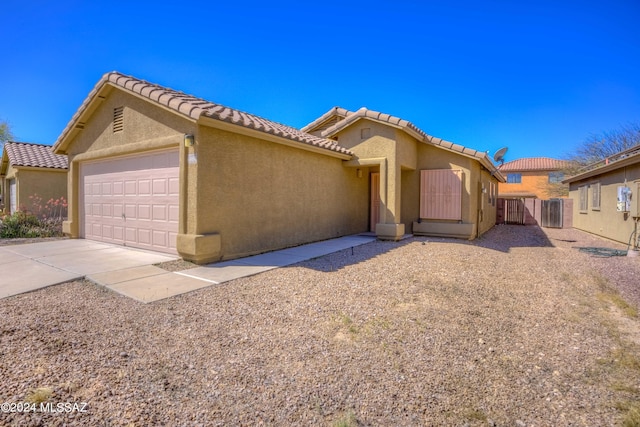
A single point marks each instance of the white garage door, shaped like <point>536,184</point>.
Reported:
<point>132,201</point>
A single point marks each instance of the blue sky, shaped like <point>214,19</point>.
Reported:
<point>539,78</point>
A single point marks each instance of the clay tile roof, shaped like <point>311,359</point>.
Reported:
<point>411,129</point>
<point>533,164</point>
<point>195,108</point>
<point>34,155</point>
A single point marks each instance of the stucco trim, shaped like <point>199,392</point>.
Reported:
<point>149,145</point>
<point>39,169</point>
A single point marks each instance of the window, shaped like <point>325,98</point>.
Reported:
<point>556,177</point>
<point>441,194</point>
<point>514,178</point>
<point>595,196</point>
<point>583,198</point>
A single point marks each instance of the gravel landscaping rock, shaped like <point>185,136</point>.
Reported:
<point>517,328</point>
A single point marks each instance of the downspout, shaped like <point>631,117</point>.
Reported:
<point>184,187</point>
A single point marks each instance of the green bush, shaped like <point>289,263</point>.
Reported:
<point>23,224</point>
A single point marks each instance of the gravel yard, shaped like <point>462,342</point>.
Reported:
<point>517,328</point>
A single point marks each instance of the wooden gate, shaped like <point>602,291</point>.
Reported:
<point>552,213</point>
<point>514,211</point>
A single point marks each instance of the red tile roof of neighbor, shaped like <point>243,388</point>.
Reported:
<point>34,155</point>
<point>195,108</point>
<point>533,164</point>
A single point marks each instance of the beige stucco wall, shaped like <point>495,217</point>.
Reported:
<point>260,195</point>
<point>405,157</point>
<point>380,144</point>
<point>607,221</point>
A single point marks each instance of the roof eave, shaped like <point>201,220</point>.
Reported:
<point>237,128</point>
<point>604,169</point>
<point>416,133</point>
<point>77,122</point>
<point>335,111</point>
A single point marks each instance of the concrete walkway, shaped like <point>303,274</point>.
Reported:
<point>130,271</point>
<point>34,266</point>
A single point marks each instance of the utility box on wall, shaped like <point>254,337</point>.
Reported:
<point>624,199</point>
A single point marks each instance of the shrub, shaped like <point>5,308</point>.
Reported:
<point>43,220</point>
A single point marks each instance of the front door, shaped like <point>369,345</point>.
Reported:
<point>374,210</point>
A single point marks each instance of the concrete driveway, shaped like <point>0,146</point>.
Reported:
<point>33,266</point>
<point>130,272</point>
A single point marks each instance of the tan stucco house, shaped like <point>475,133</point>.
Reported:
<point>606,197</point>
<point>31,170</point>
<point>158,169</point>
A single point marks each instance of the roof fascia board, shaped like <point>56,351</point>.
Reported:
<point>87,108</point>
<point>604,169</point>
<point>231,127</point>
<point>40,168</point>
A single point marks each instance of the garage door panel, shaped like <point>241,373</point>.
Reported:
<point>160,213</point>
<point>144,236</point>
<point>144,212</point>
<point>107,231</point>
<point>174,213</point>
<point>174,186</point>
<point>118,233</point>
<point>118,188</point>
<point>130,188</point>
<point>144,188</point>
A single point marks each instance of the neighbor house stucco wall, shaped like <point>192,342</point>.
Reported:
<point>606,221</point>
<point>36,186</point>
<point>259,195</point>
<point>534,182</point>
<point>45,183</point>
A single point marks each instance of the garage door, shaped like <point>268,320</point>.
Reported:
<point>132,201</point>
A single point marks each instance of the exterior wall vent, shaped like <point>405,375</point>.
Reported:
<point>118,119</point>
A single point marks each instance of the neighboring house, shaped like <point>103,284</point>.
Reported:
<point>29,170</point>
<point>531,177</point>
<point>607,197</point>
<point>155,168</point>
<point>530,182</point>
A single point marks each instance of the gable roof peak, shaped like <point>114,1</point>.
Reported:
<point>194,108</point>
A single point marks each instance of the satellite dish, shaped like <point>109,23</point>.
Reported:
<point>499,156</point>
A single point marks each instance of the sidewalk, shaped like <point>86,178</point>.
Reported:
<point>149,283</point>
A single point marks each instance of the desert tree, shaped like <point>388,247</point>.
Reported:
<point>596,148</point>
<point>593,151</point>
<point>5,133</point>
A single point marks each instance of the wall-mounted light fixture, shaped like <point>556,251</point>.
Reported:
<point>189,140</point>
